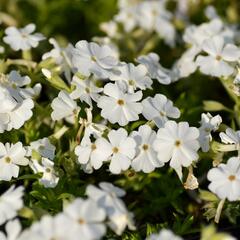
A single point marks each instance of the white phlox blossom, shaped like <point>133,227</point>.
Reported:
<point>164,234</point>
<point>11,157</point>
<point>155,70</point>
<point>146,157</point>
<point>85,90</point>
<point>45,166</point>
<point>61,56</point>
<point>217,63</point>
<point>118,106</point>
<point>108,197</point>
<point>87,219</point>
<point>159,109</point>
<point>208,123</point>
<point>22,38</point>
<point>10,202</point>
<point>225,179</point>
<point>64,107</point>
<point>177,143</point>
<point>231,137</point>
<point>135,77</point>
<point>15,109</point>
<point>13,230</point>
<point>118,148</point>
<point>91,58</point>
<point>43,147</point>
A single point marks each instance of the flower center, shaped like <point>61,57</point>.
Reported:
<point>145,147</point>
<point>93,58</point>
<point>93,147</point>
<point>81,221</point>
<point>120,102</point>
<point>7,159</point>
<point>115,150</point>
<point>232,177</point>
<point>162,113</point>
<point>218,57</point>
<point>131,82</point>
<point>48,170</point>
<point>177,143</point>
<point>87,90</point>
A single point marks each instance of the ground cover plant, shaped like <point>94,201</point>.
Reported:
<point>119,120</point>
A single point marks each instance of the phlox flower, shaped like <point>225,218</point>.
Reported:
<point>87,219</point>
<point>225,179</point>
<point>208,123</point>
<point>11,202</point>
<point>118,106</point>
<point>159,109</point>
<point>91,58</point>
<point>11,157</point>
<point>146,157</point>
<point>64,107</point>
<point>155,70</point>
<point>118,148</point>
<point>85,90</point>
<point>22,38</point>
<point>177,143</point>
<point>220,55</point>
<point>108,197</point>
<point>13,230</point>
<point>45,166</point>
<point>135,77</point>
<point>164,234</point>
<point>43,147</point>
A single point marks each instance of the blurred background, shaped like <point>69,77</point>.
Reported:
<point>79,19</point>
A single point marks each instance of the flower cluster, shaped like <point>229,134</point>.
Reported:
<point>85,113</point>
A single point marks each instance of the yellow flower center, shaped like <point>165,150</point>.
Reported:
<point>232,177</point>
<point>115,150</point>
<point>145,147</point>
<point>7,159</point>
<point>177,143</point>
<point>120,102</point>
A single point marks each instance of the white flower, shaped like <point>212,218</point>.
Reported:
<point>134,76</point>
<point>49,178</point>
<point>118,106</point>
<point>127,17</point>
<point>16,82</point>
<point>87,219</point>
<point>186,64</point>
<point>62,57</point>
<point>13,114</point>
<point>23,39</point>
<point>220,55</point>
<point>11,156</point>
<point>63,107</point>
<point>10,202</point>
<point>208,124</point>
<point>155,70</point>
<point>177,143</point>
<point>159,109</point>
<point>120,149</point>
<point>225,179</point>
<point>13,229</point>
<point>43,147</point>
<point>230,137</point>
<point>87,154</point>
<point>86,90</point>
<point>58,227</point>
<point>146,157</point>
<point>91,58</point>
<point>108,197</point>
<point>196,35</point>
<point>164,234</point>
